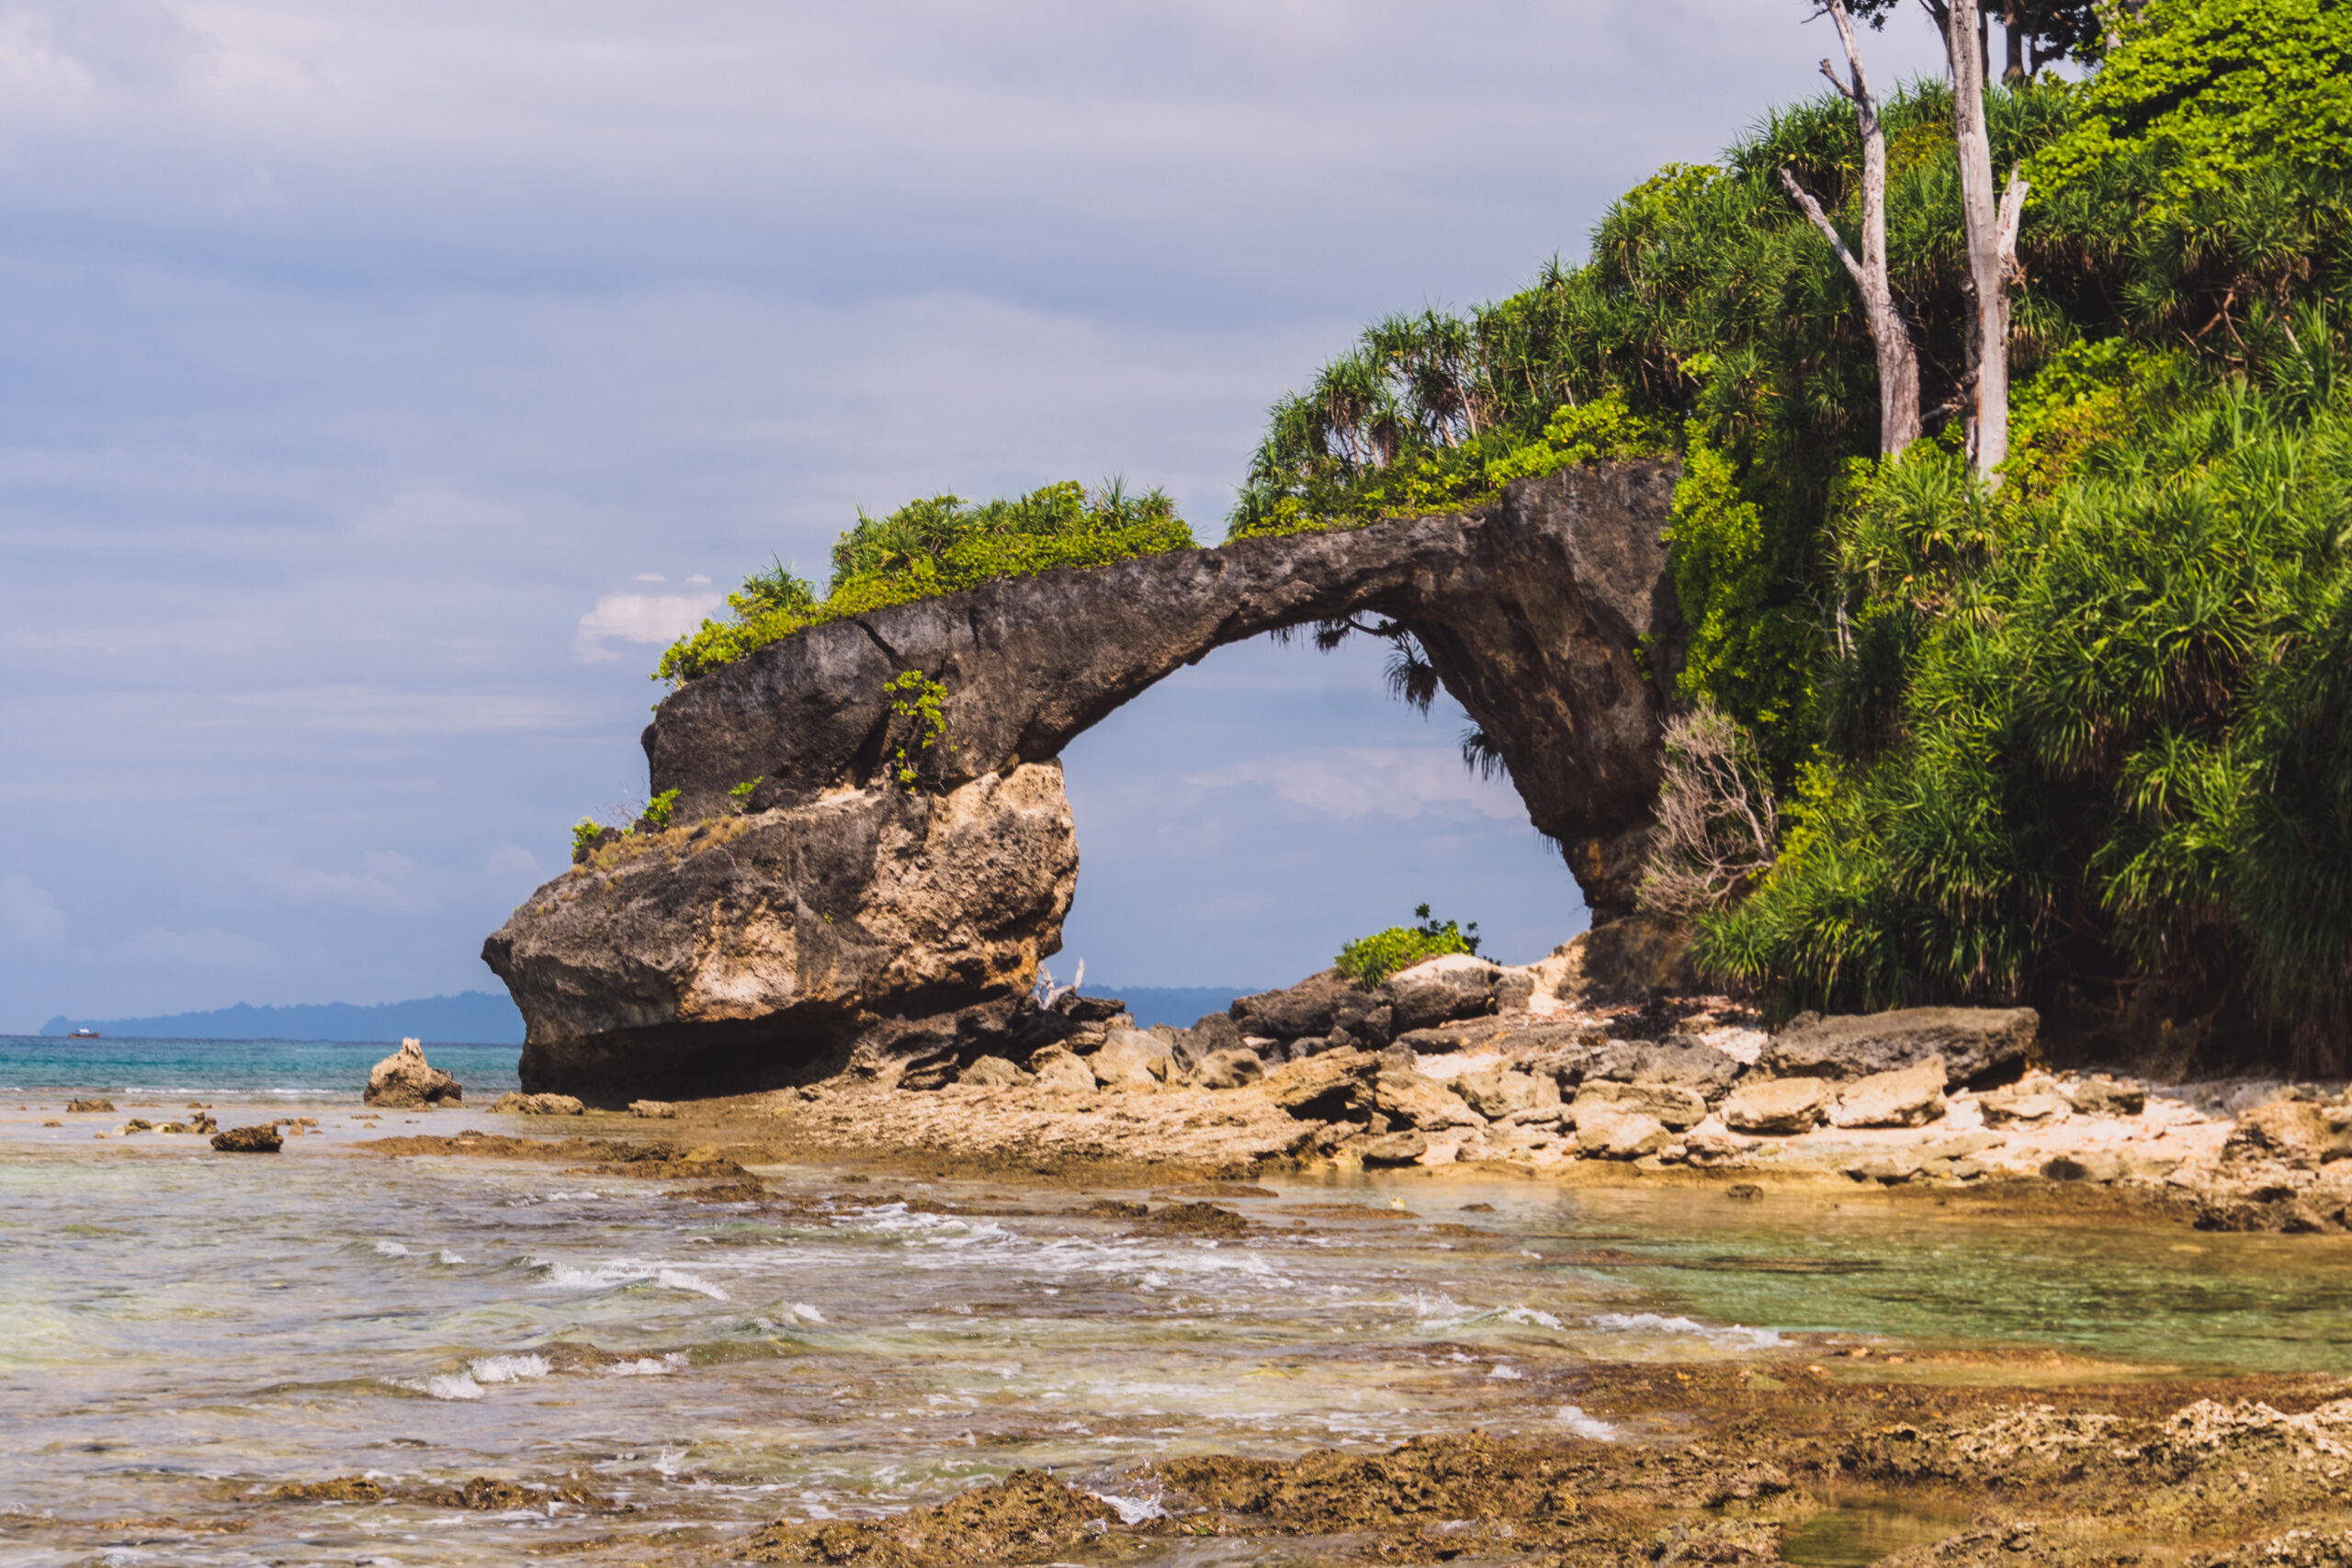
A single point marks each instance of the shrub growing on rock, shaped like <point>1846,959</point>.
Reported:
<point>1371,959</point>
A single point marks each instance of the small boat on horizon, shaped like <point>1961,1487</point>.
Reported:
<point>84,1034</point>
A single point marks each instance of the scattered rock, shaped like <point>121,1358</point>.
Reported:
<point>1115,1209</point>
<point>1908,1096</point>
<point>1236,1068</point>
<point>993,1072</point>
<point>1670,1105</point>
<point>1607,1132</point>
<point>1777,1106</point>
<point>2029,1100</point>
<point>105,1107</point>
<point>1499,1092</point>
<point>1410,1101</point>
<point>1439,990</point>
<point>654,1110</point>
<point>1888,1170</point>
<point>248,1140</point>
<point>406,1081</point>
<point>1709,1144</point>
<point>1060,1072</point>
<point>1972,1042</point>
<point>1131,1059</point>
<point>2104,1096</point>
<point>1394,1148</point>
<point>1029,1516</point>
<point>1193,1219</point>
<point>539,1105</point>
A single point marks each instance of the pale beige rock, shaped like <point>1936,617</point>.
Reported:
<point>1229,1070</point>
<point>2034,1098</point>
<point>1777,1105</point>
<point>655,1110</point>
<point>1131,1061</point>
<point>405,1081</point>
<point>1499,1092</point>
<point>993,1072</point>
<point>1671,1104</point>
<point>1909,1097</point>
<point>1604,1133</point>
<point>1409,1100</point>
<point>1058,1072</point>
<point>539,1105</point>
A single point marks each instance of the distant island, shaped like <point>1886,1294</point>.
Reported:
<point>473,1017</point>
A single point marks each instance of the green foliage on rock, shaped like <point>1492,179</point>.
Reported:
<point>917,698</point>
<point>928,547</point>
<point>1371,959</point>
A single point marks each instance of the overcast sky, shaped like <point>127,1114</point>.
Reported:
<point>382,380</point>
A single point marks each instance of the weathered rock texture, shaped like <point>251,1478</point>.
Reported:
<point>406,1081</point>
<point>752,951</point>
<point>1534,612</point>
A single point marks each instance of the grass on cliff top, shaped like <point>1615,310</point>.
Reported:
<point>929,548</point>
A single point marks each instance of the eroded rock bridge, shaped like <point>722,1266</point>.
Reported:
<point>754,941</point>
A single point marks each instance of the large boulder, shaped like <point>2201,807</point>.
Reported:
<point>1409,1100</point>
<point>752,951</point>
<point>1777,1105</point>
<point>1909,1097</point>
<point>1498,1092</point>
<point>1336,1086</point>
<point>406,1081</point>
<point>1322,1007</point>
<point>1686,1064</point>
<point>1131,1059</point>
<point>1550,615</point>
<point>1236,1068</point>
<point>1974,1043</point>
<point>1439,990</point>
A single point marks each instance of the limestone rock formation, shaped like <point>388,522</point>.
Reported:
<point>750,951</point>
<point>406,1081</point>
<point>1548,615</point>
<point>1972,1042</point>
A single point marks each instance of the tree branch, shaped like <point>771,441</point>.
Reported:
<point>2012,215</point>
<point>1828,230</point>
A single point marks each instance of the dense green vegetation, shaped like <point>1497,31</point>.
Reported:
<point>2041,740</point>
<point>1370,960</point>
<point>928,547</point>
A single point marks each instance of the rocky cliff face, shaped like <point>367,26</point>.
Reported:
<point>752,951</point>
<point>1534,612</point>
<point>747,949</point>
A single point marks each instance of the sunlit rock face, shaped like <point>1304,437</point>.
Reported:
<point>752,951</point>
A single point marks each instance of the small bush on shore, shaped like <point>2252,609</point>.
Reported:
<point>1371,959</point>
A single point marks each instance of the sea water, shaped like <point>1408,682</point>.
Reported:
<point>181,1332</point>
<point>326,1070</point>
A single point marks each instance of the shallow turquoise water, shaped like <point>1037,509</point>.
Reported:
<point>297,1069</point>
<point>178,1329</point>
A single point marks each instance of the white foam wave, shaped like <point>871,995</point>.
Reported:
<point>619,1272</point>
<point>1654,1323</point>
<point>644,1367</point>
<point>1132,1510</point>
<point>449,1385</point>
<point>445,1256</point>
<point>506,1368</point>
<point>390,1249</point>
<point>807,1314</point>
<point>1585,1425</point>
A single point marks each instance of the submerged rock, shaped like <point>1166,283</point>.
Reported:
<point>406,1081</point>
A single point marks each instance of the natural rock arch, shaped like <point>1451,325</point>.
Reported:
<point>746,947</point>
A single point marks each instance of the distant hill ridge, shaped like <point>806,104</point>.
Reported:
<point>487,1018</point>
<point>471,1018</point>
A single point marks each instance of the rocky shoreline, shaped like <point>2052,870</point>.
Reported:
<point>1461,1063</point>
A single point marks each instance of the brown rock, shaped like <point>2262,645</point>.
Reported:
<point>1972,1042</point>
<point>105,1107</point>
<point>993,1072</point>
<point>1235,1069</point>
<point>1393,1148</point>
<point>1777,1106</point>
<point>1499,1092</point>
<point>406,1081</point>
<point>248,1140</point>
<point>1329,1088</point>
<point>1672,1106</point>
<point>653,1110</point>
<point>1609,1134</point>
<point>539,1105</point>
<point>1909,1097</point>
<point>1410,1101</point>
<point>2105,1096</point>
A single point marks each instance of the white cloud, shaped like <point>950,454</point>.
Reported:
<point>513,863</point>
<point>1349,783</point>
<point>642,619</point>
<point>385,880</point>
<point>27,914</point>
<point>208,947</point>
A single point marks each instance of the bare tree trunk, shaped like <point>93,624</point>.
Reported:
<point>1898,364</point>
<point>2013,21</point>
<point>1992,237</point>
